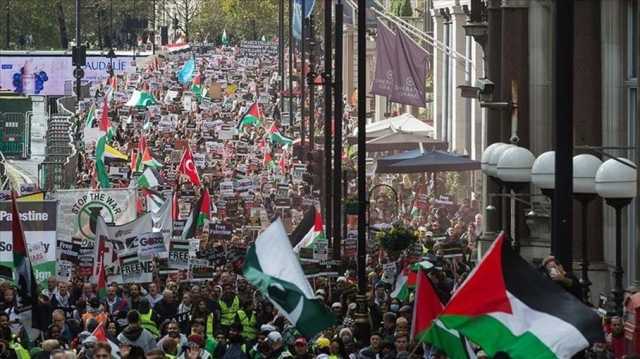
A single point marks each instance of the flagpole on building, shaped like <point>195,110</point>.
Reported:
<point>362,315</point>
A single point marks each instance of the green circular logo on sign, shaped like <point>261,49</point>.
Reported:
<point>85,213</point>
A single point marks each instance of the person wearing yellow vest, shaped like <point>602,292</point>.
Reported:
<point>229,306</point>
<point>146,313</point>
<point>248,323</point>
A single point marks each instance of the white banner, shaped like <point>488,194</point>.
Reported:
<point>77,207</point>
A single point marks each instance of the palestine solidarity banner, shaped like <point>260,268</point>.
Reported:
<point>409,72</point>
<point>385,57</point>
<point>78,209</point>
<point>127,237</point>
<point>39,226</point>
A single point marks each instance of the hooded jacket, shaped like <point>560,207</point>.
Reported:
<point>135,335</point>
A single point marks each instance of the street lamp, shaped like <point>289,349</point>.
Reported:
<point>543,176</point>
<point>492,171</point>
<point>514,170</point>
<point>585,167</point>
<point>616,182</point>
<point>543,173</point>
<point>490,221</point>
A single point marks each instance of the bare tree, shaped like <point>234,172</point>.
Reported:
<point>185,12</point>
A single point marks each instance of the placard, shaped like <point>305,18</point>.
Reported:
<point>179,254</point>
<point>254,49</point>
<point>151,244</point>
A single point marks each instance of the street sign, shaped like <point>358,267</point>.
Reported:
<point>78,73</point>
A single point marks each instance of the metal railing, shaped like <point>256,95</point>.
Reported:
<point>60,167</point>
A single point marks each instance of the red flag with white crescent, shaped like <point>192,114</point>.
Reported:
<point>188,168</point>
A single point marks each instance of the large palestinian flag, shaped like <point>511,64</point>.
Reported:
<point>253,117</point>
<point>313,236</point>
<point>505,305</point>
<point>272,267</point>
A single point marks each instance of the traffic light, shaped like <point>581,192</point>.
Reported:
<point>79,56</point>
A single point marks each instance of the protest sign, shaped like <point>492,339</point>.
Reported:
<point>179,254</point>
<point>254,49</point>
<point>150,244</point>
<point>39,226</point>
<point>200,270</point>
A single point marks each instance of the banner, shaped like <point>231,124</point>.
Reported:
<point>117,239</point>
<point>39,225</point>
<point>255,49</point>
<point>200,270</point>
<point>131,268</point>
<point>76,208</point>
<point>150,245</point>
<point>410,72</point>
<point>179,254</point>
<point>50,72</point>
<point>385,53</point>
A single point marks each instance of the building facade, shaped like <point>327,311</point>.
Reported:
<point>516,38</point>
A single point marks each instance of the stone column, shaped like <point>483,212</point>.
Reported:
<point>515,63</point>
<point>438,74</point>
<point>541,75</point>
<point>348,60</point>
<point>614,129</point>
<point>381,108</point>
<point>587,112</point>
<point>459,120</point>
<point>477,115</point>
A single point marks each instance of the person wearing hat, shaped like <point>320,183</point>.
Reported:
<point>301,349</point>
<point>322,348</point>
<point>278,350</point>
<point>336,308</point>
<point>261,349</point>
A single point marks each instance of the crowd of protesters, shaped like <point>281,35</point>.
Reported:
<point>224,317</point>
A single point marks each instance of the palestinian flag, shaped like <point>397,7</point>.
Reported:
<point>101,168</point>
<point>272,267</point>
<point>401,286</point>
<point>314,235</point>
<point>426,328</point>
<point>141,99</point>
<point>105,122</point>
<point>505,305</point>
<point>199,212</point>
<point>24,278</point>
<point>91,117</point>
<point>155,200</point>
<point>205,208</point>
<point>253,117</point>
<point>142,148</point>
<point>150,178</point>
<point>406,280</point>
<point>101,336</point>
<point>279,139</point>
<point>148,160</point>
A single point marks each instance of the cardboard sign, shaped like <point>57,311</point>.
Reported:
<point>179,254</point>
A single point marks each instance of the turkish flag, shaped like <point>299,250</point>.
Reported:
<point>188,168</point>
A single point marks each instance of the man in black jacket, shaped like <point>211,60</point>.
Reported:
<point>166,308</point>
